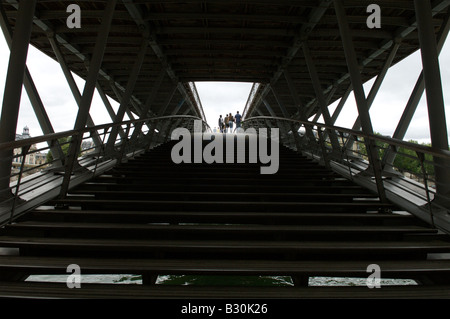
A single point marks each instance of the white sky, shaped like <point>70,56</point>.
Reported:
<point>221,98</point>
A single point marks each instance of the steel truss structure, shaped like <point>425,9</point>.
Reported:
<point>302,56</point>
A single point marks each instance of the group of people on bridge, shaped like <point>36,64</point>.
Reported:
<point>226,123</point>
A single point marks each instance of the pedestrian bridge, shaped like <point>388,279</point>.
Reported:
<point>341,202</point>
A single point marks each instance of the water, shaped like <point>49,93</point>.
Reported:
<point>220,280</point>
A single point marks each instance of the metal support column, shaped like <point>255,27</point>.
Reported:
<point>73,86</point>
<point>88,92</point>
<point>128,92</point>
<point>414,99</point>
<point>13,89</point>
<point>177,109</point>
<point>320,96</point>
<point>282,108</point>
<point>301,110</point>
<point>434,93</point>
<point>148,104</point>
<point>33,95</point>
<point>108,107</point>
<point>341,104</point>
<point>165,126</point>
<point>358,89</point>
<point>168,100</point>
<point>375,88</point>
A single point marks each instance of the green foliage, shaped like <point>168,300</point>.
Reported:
<point>227,280</point>
<point>64,142</point>
<point>406,159</point>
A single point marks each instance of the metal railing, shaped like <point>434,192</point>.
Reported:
<point>401,169</point>
<point>40,164</point>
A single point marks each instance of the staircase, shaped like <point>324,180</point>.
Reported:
<point>151,217</point>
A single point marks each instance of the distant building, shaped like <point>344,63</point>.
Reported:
<point>87,145</point>
<point>32,159</point>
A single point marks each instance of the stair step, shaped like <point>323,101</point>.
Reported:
<point>274,218</point>
<point>152,217</point>
<point>105,291</point>
<point>210,232</point>
<point>214,195</point>
<point>58,265</point>
<point>228,246</point>
<point>108,181</point>
<point>218,205</point>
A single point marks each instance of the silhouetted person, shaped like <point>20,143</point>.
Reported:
<point>221,124</point>
<point>238,118</point>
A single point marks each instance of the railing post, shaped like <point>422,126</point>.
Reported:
<point>70,161</point>
<point>421,157</point>
<point>124,143</point>
<point>101,151</point>
<point>24,153</point>
<point>296,137</point>
<point>325,155</point>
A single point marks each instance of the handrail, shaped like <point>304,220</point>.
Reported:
<point>53,136</point>
<point>392,141</point>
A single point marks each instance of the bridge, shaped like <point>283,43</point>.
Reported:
<point>340,202</point>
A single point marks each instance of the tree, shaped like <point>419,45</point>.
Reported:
<point>406,159</point>
<point>64,142</point>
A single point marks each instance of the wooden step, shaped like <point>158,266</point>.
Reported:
<point>219,196</point>
<point>298,189</point>
<point>210,232</point>
<point>105,291</point>
<point>248,176</point>
<point>323,248</point>
<point>272,218</point>
<point>90,203</point>
<point>390,268</point>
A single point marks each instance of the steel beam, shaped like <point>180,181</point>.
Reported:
<point>328,99</point>
<point>168,100</point>
<point>72,85</point>
<point>13,89</point>
<point>414,99</point>
<point>341,104</point>
<point>293,90</point>
<point>319,95</point>
<point>358,89</point>
<point>375,88</point>
<point>178,107</point>
<point>124,104</point>
<point>108,107</point>
<point>137,15</point>
<point>282,108</point>
<point>148,104</point>
<point>33,94</point>
<point>313,19</point>
<point>88,92</point>
<point>94,66</point>
<point>434,93</point>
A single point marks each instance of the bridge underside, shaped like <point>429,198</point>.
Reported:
<point>245,41</point>
<point>301,56</point>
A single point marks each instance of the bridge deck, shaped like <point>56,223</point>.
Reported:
<point>303,222</point>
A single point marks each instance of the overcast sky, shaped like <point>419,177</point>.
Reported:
<point>222,98</point>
